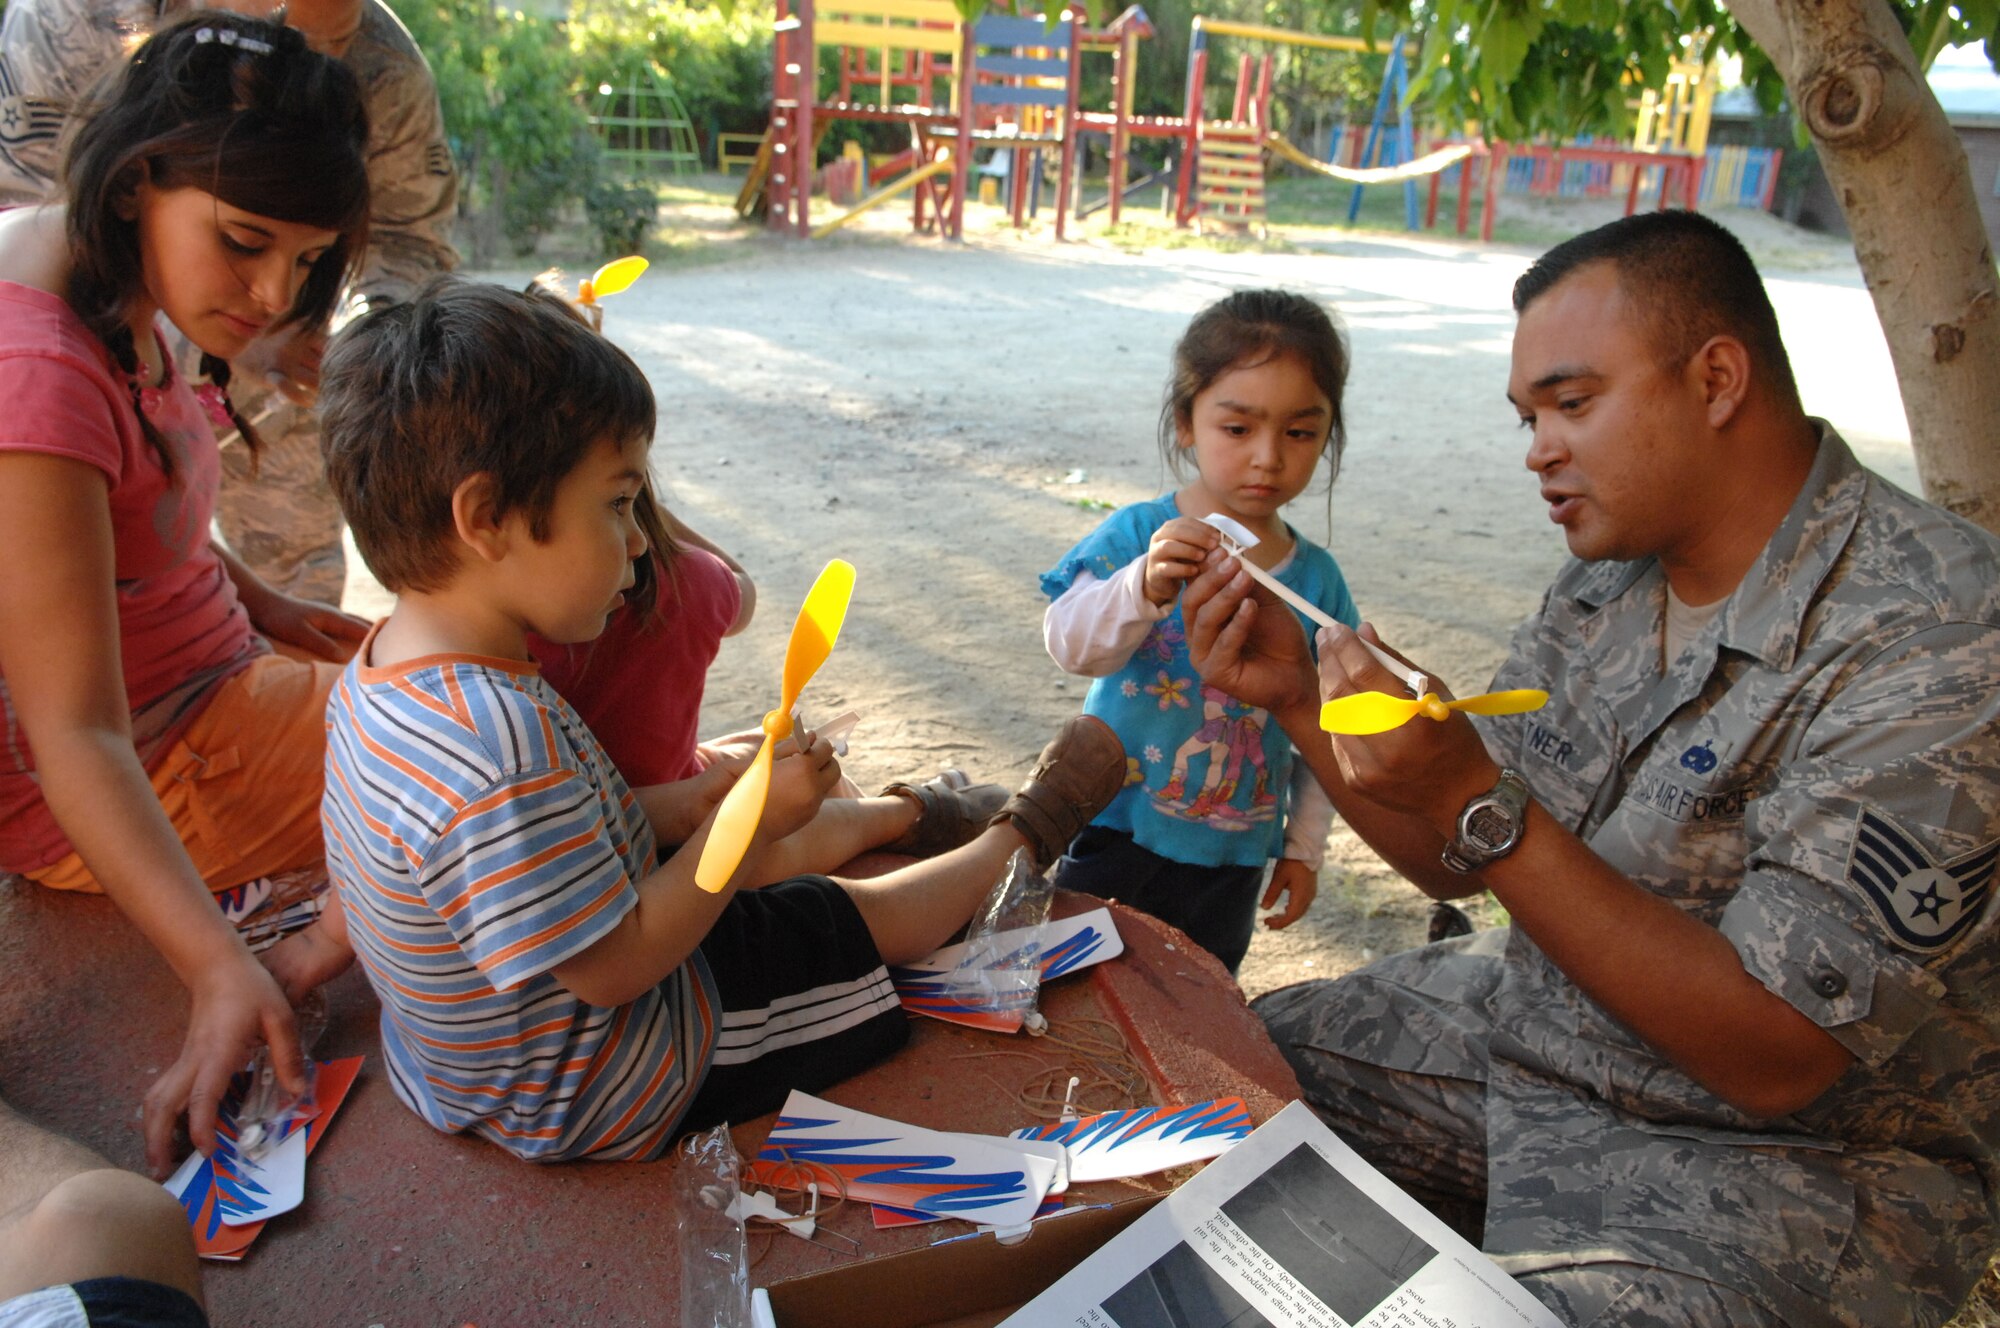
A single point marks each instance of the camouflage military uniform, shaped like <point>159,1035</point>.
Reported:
<point>284,523</point>
<point>1818,777</point>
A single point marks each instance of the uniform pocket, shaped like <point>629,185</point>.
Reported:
<point>189,784</point>
<point>1761,1207</point>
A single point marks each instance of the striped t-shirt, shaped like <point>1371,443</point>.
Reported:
<point>480,837</point>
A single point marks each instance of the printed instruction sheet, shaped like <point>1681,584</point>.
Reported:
<point>1289,1229</point>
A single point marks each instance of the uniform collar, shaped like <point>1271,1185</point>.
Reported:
<point>1764,616</point>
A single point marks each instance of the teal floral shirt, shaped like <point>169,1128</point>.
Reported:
<point>1209,776</point>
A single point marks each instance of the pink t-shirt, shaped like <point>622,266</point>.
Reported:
<point>639,687</point>
<point>181,629</point>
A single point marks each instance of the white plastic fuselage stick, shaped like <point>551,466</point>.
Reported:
<point>1238,538</point>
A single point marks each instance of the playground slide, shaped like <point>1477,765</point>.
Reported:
<point>1428,164</point>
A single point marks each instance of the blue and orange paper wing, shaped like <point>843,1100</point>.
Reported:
<point>1146,1139</point>
<point>226,1186</point>
<point>1078,942</point>
<point>227,1189</point>
<point>942,987</point>
<point>882,1161</point>
<point>888,1217</point>
<point>881,1169</point>
<point>238,902</point>
<point>949,998</point>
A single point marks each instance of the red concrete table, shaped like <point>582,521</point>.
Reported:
<point>402,1225</point>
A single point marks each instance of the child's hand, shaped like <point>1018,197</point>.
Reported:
<point>317,629</point>
<point>306,959</point>
<point>800,781</point>
<point>1175,556</point>
<point>732,752</point>
<point>1298,883</point>
<point>235,1006</point>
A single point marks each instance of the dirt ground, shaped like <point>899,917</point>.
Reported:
<point>951,417</point>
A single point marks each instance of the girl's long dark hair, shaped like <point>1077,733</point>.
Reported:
<point>237,107</point>
<point>1244,329</point>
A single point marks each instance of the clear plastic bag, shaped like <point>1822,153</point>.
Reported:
<point>264,1113</point>
<point>1002,969</point>
<point>715,1254</point>
<point>267,1111</point>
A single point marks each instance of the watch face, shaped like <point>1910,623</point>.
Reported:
<point>1489,826</point>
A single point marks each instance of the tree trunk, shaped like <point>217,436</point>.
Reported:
<point>1903,182</point>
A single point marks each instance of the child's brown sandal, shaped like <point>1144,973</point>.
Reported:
<point>950,812</point>
<point>1079,773</point>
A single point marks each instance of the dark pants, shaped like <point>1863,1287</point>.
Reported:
<point>1215,906</point>
<point>806,1001</point>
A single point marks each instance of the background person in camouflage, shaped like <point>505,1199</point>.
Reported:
<point>282,521</point>
<point>1733,1062</point>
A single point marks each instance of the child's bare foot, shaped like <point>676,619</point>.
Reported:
<point>950,811</point>
<point>1080,772</point>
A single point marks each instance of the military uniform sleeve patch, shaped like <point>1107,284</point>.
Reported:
<point>1926,905</point>
<point>26,120</point>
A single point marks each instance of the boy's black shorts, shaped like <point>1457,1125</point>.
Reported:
<point>105,1302</point>
<point>806,1001</point>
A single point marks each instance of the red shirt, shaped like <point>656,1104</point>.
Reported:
<point>181,630</point>
<point>639,686</point>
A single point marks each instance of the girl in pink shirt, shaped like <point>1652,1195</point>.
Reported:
<point>151,745</point>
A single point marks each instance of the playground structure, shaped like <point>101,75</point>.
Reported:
<point>1669,152</point>
<point>1006,82</point>
<point>1120,39</point>
<point>1011,84</point>
<point>642,126</point>
<point>1229,182</point>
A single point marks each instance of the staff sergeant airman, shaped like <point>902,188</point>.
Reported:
<point>1734,1061</point>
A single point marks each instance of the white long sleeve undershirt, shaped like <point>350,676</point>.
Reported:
<point>1092,629</point>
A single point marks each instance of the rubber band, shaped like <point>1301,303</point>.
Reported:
<point>1096,1055</point>
<point>787,1173</point>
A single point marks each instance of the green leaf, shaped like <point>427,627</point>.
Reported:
<point>1436,48</point>
<point>1981,21</point>
<point>1503,45</point>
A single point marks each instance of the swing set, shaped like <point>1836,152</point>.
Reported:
<point>1228,185</point>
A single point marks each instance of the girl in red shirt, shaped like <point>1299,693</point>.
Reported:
<point>151,745</point>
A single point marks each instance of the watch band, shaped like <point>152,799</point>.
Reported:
<point>1490,826</point>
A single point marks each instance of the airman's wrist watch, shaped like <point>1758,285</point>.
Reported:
<point>1490,826</point>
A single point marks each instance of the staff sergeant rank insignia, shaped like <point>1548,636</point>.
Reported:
<point>1925,905</point>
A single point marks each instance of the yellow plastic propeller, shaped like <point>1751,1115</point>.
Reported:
<point>1378,712</point>
<point>813,635</point>
<point>613,277</point>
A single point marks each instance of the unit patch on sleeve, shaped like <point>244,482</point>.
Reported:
<point>1925,905</point>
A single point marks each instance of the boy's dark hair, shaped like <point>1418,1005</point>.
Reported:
<point>241,109</point>
<point>1689,278</point>
<point>1249,328</point>
<point>465,378</point>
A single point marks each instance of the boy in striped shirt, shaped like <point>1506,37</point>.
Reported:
<point>546,981</point>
